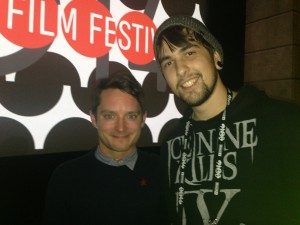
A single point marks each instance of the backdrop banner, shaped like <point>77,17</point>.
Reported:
<point>52,51</point>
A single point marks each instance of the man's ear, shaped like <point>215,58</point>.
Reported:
<point>93,119</point>
<point>217,61</point>
<point>144,119</point>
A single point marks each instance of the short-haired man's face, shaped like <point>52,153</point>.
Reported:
<point>190,71</point>
<point>119,121</point>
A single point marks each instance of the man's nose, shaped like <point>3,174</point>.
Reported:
<point>181,68</point>
<point>121,124</point>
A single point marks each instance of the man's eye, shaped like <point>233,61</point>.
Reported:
<point>108,116</point>
<point>132,116</point>
<point>167,64</point>
<point>190,53</point>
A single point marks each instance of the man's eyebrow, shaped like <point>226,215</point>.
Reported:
<point>182,49</point>
<point>137,112</point>
<point>114,112</point>
<point>106,111</point>
<point>165,58</point>
<point>188,46</point>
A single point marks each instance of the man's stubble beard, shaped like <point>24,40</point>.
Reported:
<point>202,96</point>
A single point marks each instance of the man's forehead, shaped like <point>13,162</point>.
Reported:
<point>168,49</point>
<point>112,96</point>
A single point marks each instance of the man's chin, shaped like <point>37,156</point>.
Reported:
<point>121,147</point>
<point>118,148</point>
<point>193,100</point>
<point>190,101</point>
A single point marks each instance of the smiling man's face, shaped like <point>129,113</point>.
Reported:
<point>119,121</point>
<point>190,72</point>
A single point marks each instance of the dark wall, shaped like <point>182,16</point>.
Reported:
<point>23,185</point>
<point>226,19</point>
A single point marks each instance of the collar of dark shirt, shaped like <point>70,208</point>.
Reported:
<point>129,161</point>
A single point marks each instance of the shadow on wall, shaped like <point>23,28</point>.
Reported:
<point>23,186</point>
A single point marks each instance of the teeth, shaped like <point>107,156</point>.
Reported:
<point>189,83</point>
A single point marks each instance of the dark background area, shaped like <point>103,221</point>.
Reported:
<point>23,186</point>
<point>226,20</point>
<point>24,182</point>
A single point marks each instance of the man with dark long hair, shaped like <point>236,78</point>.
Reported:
<point>233,159</point>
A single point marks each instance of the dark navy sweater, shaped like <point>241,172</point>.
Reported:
<point>85,191</point>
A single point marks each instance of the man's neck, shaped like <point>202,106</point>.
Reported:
<point>129,161</point>
<point>115,155</point>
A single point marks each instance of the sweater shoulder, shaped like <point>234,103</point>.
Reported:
<point>76,164</point>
